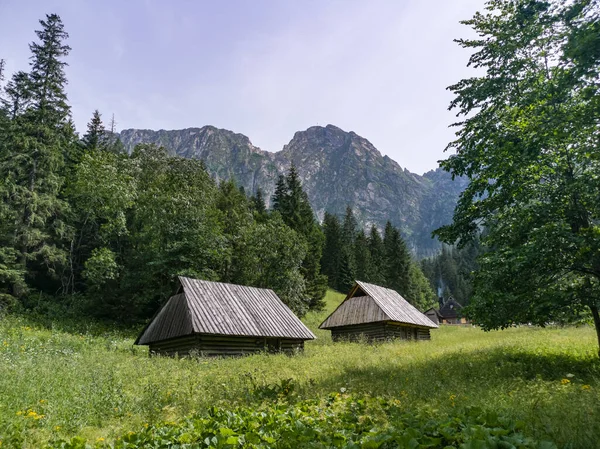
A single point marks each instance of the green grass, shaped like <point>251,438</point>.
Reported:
<point>96,384</point>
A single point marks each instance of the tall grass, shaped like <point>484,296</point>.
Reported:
<point>95,383</point>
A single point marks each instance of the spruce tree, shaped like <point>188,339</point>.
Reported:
<point>32,164</point>
<point>330,261</point>
<point>258,205</point>
<point>17,95</point>
<point>292,203</point>
<point>376,273</point>
<point>95,138</point>
<point>362,256</point>
<point>347,274</point>
<point>279,200</point>
<point>397,260</point>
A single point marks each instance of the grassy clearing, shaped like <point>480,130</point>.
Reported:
<point>56,383</point>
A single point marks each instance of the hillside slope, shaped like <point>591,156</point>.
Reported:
<point>337,168</point>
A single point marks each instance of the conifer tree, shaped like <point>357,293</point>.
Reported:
<point>259,202</point>
<point>347,271</point>
<point>95,138</point>
<point>376,273</point>
<point>279,200</point>
<point>397,260</point>
<point>33,161</point>
<point>292,203</point>
<point>17,95</point>
<point>330,261</point>
<point>362,256</point>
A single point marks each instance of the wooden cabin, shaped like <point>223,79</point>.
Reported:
<point>449,313</point>
<point>376,314</point>
<point>434,315</point>
<point>215,319</point>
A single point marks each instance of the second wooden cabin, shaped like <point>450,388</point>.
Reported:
<point>376,314</point>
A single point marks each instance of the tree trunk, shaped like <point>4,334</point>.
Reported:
<point>596,315</point>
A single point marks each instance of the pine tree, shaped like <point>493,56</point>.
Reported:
<point>17,95</point>
<point>397,260</point>
<point>362,256</point>
<point>349,228</point>
<point>292,203</point>
<point>258,202</point>
<point>279,200</point>
<point>376,273</point>
<point>347,274</point>
<point>33,161</point>
<point>95,138</point>
<point>330,261</point>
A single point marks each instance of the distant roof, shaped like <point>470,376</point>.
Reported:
<point>437,312</point>
<point>205,307</point>
<point>368,303</point>
<point>450,308</point>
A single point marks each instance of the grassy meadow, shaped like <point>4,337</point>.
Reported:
<point>61,380</point>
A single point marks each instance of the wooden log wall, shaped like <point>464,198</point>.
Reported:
<point>216,345</point>
<point>379,331</point>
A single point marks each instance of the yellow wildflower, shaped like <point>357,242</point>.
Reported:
<point>99,440</point>
<point>19,413</point>
<point>57,428</point>
<point>565,381</point>
<point>585,387</point>
<point>43,401</point>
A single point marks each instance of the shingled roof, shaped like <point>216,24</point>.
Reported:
<point>368,303</point>
<point>451,308</point>
<point>205,307</point>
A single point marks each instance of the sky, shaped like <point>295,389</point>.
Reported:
<point>263,68</point>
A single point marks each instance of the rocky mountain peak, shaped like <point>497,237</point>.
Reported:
<point>337,169</point>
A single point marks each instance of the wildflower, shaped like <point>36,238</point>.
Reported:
<point>57,428</point>
<point>342,390</point>
<point>19,413</point>
<point>99,440</point>
<point>585,387</point>
<point>565,381</point>
<point>570,376</point>
<point>43,401</point>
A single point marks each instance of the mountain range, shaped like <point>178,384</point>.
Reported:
<point>337,169</point>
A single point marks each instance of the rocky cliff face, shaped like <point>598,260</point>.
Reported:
<point>337,169</point>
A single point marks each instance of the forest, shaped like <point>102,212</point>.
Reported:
<point>87,229</point>
<point>92,239</point>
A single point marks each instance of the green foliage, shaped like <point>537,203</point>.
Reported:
<point>397,260</point>
<point>270,255</point>
<point>291,202</point>
<point>349,255</point>
<point>86,380</point>
<point>340,421</point>
<point>36,144</point>
<point>528,144</point>
<point>451,272</point>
